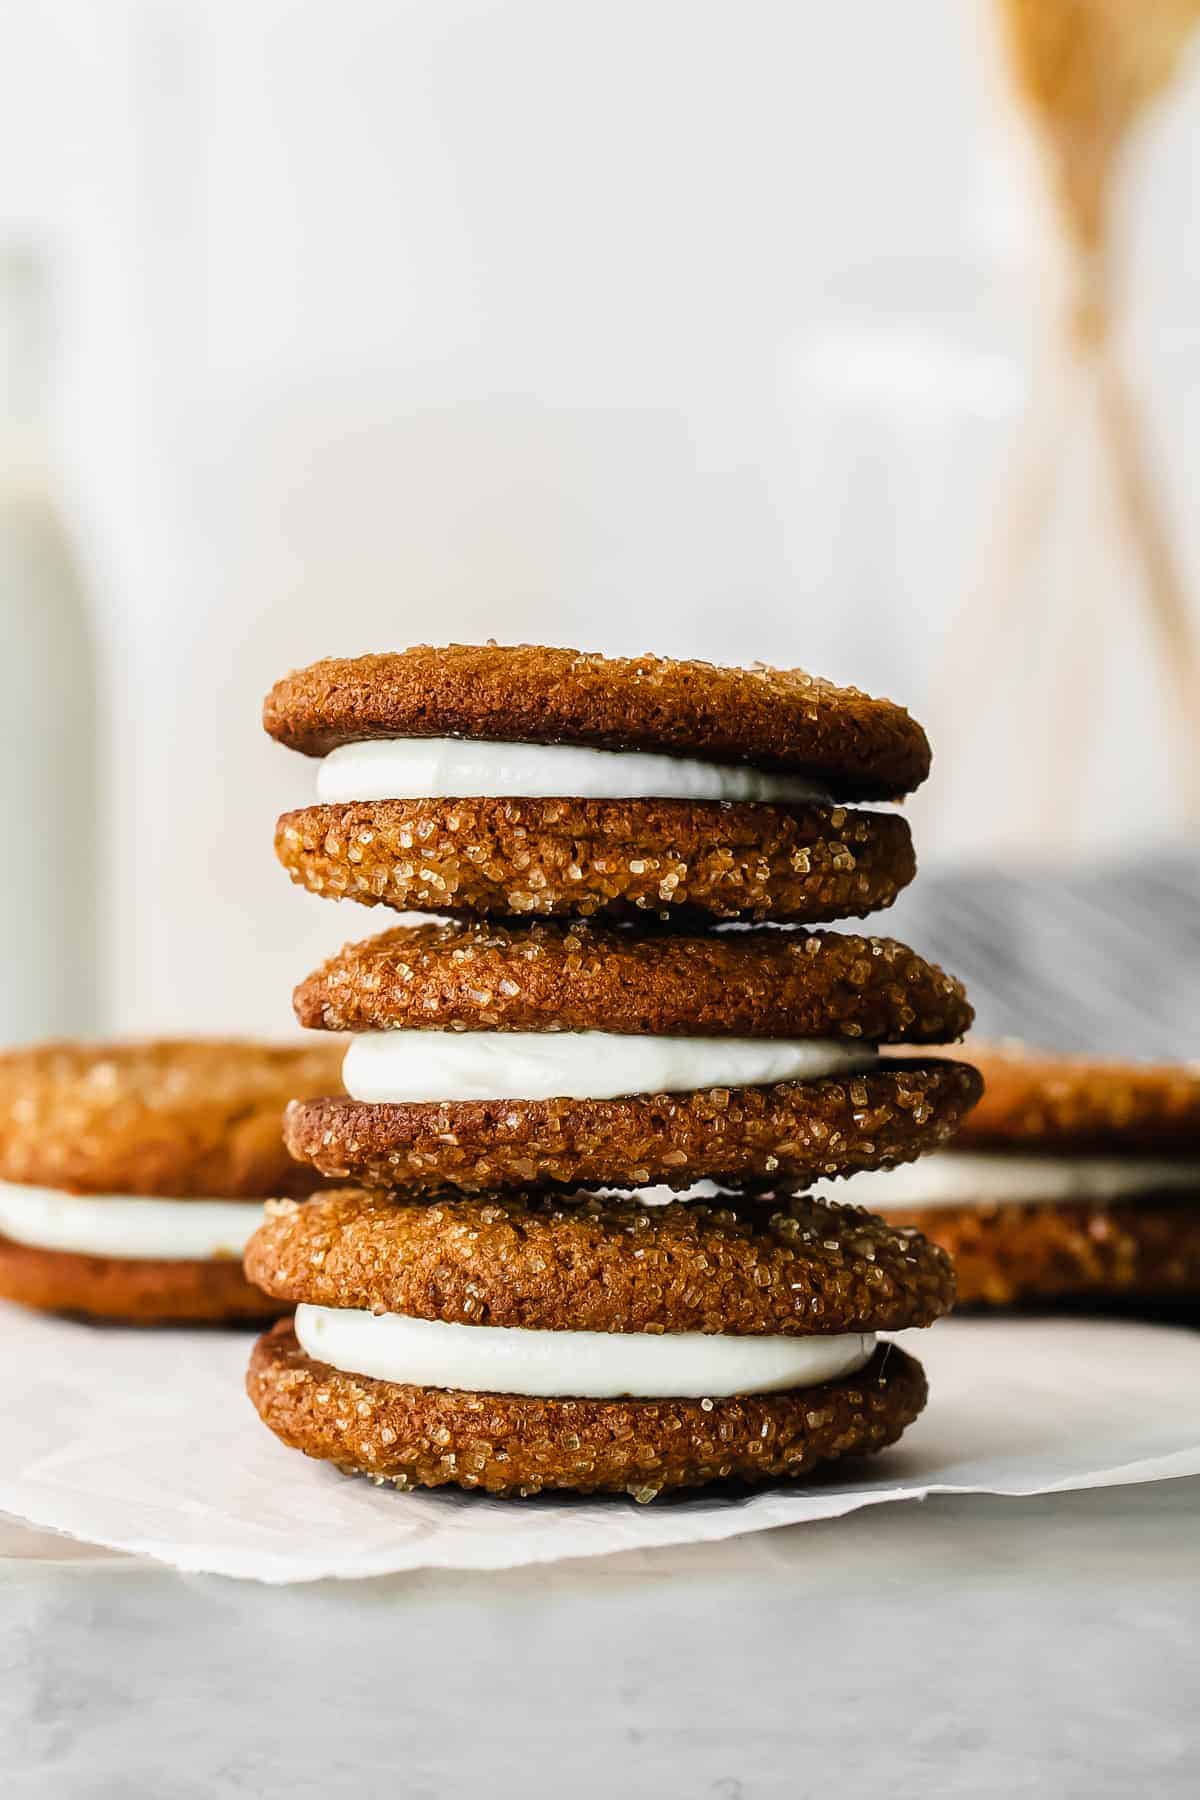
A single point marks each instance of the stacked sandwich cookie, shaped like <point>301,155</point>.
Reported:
<point>658,1057</point>
<point>1075,1178</point>
<point>132,1175</point>
<point>522,1342</point>
<point>554,783</point>
<point>499,1301</point>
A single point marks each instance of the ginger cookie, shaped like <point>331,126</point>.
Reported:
<point>132,1174</point>
<point>530,1342</point>
<point>525,780</point>
<point>1074,1178</point>
<point>486,1056</point>
<point>600,858</point>
<point>781,720</point>
<point>491,1305</point>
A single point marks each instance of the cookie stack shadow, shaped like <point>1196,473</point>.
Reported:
<point>580,1116</point>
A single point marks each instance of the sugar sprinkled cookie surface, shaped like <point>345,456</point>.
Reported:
<point>785,719</point>
<point>797,1131</point>
<point>1074,1178</point>
<point>1033,1099</point>
<point>582,977</point>
<point>131,1174</point>
<point>841,992</point>
<point>1007,1255</point>
<point>514,1445</point>
<point>168,1117</point>
<point>595,1264</point>
<point>803,1274</point>
<point>625,859</point>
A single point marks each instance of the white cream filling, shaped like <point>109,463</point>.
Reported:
<point>127,1226</point>
<point>383,1066</point>
<point>468,768</point>
<point>988,1178</point>
<point>588,1365</point>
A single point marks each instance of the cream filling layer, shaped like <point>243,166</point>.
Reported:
<point>991,1177</point>
<point>469,768</point>
<point>407,1066</point>
<point>586,1365</point>
<point>127,1227</point>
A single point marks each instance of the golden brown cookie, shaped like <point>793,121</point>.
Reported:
<point>795,1267</point>
<point>857,747</point>
<point>178,1121</point>
<point>616,858</point>
<point>508,1444</point>
<point>585,977</point>
<point>795,1131</point>
<point>1130,1230</point>
<point>1013,1253</point>
<point>172,1118</point>
<point>132,1291</point>
<point>1036,1101</point>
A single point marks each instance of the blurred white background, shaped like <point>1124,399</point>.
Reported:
<point>704,329</point>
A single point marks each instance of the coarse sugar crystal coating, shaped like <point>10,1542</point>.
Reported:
<point>514,1445</point>
<point>1011,1253</point>
<point>794,1267</point>
<point>858,747</point>
<point>178,1118</point>
<point>133,1292</point>
<point>796,1131</point>
<point>1034,1099</point>
<point>612,858</point>
<point>586,977</point>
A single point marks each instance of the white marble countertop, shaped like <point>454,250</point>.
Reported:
<point>960,1647</point>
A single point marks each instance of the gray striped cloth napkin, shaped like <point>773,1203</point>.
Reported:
<point>1099,959</point>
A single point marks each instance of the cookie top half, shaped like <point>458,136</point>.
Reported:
<point>587,1263</point>
<point>171,1117</point>
<point>1034,1100</point>
<point>783,720</point>
<point>547,976</point>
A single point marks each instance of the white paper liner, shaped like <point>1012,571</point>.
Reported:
<point>145,1442</point>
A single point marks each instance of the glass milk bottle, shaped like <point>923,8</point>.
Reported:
<point>48,747</point>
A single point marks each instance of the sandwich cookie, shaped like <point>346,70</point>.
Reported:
<point>1073,1178</point>
<point>485,1056</point>
<point>132,1175</point>
<point>529,1342</point>
<point>509,781</point>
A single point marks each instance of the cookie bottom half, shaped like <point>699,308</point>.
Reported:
<point>1009,1254</point>
<point>515,1445</point>
<point>600,858</point>
<point>799,1130</point>
<point>130,1290</point>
